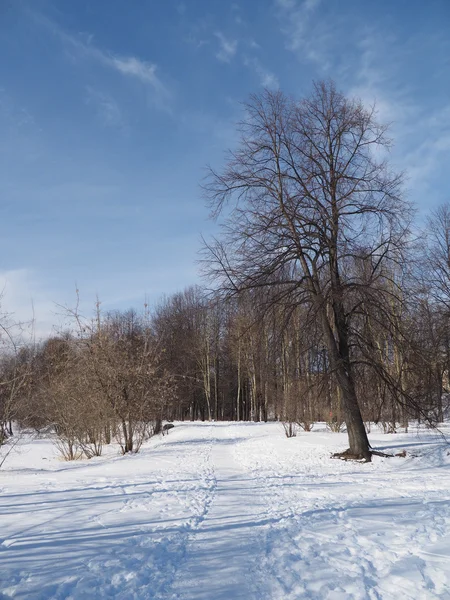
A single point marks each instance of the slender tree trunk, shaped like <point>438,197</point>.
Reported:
<point>127,436</point>
<point>216,387</point>
<point>206,371</point>
<point>439,389</point>
<point>238,397</point>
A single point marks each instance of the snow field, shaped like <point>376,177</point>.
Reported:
<point>226,511</point>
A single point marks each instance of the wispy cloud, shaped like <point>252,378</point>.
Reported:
<point>134,67</point>
<point>227,48</point>
<point>267,78</point>
<point>106,107</point>
<point>21,140</point>
<point>421,135</point>
<point>360,57</point>
<point>311,4</point>
<point>85,48</point>
<point>425,154</point>
<point>19,117</point>
<point>305,5</point>
<point>286,4</point>
<point>304,34</point>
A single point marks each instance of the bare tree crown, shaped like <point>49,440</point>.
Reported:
<point>311,189</point>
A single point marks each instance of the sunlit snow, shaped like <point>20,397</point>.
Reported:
<point>228,511</point>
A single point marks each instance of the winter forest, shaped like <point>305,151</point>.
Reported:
<point>276,433</point>
<point>224,300</point>
<point>326,299</point>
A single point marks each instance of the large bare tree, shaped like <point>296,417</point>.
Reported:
<point>309,195</point>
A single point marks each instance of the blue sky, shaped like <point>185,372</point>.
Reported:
<point>111,109</point>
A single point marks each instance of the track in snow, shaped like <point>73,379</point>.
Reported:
<point>224,512</point>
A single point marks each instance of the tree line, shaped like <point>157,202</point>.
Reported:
<point>328,301</point>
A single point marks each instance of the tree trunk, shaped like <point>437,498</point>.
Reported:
<point>158,426</point>
<point>359,446</point>
<point>127,436</point>
<point>238,397</point>
<point>338,348</point>
<point>107,433</point>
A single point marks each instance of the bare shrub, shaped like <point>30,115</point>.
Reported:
<point>290,429</point>
<point>335,423</point>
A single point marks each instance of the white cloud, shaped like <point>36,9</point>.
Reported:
<point>129,66</point>
<point>227,48</point>
<point>133,67</point>
<point>106,107</point>
<point>373,78</point>
<point>305,5</point>
<point>426,160</point>
<point>266,78</point>
<point>311,4</point>
<point>305,35</point>
<point>286,4</point>
<point>16,116</point>
<point>360,56</point>
<point>421,136</point>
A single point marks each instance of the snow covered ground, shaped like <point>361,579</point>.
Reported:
<point>228,511</point>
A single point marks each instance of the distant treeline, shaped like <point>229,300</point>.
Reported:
<point>328,305</point>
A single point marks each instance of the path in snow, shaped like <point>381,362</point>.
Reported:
<point>228,511</point>
<point>223,551</point>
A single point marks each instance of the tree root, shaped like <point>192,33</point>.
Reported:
<point>383,454</point>
<point>347,455</point>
